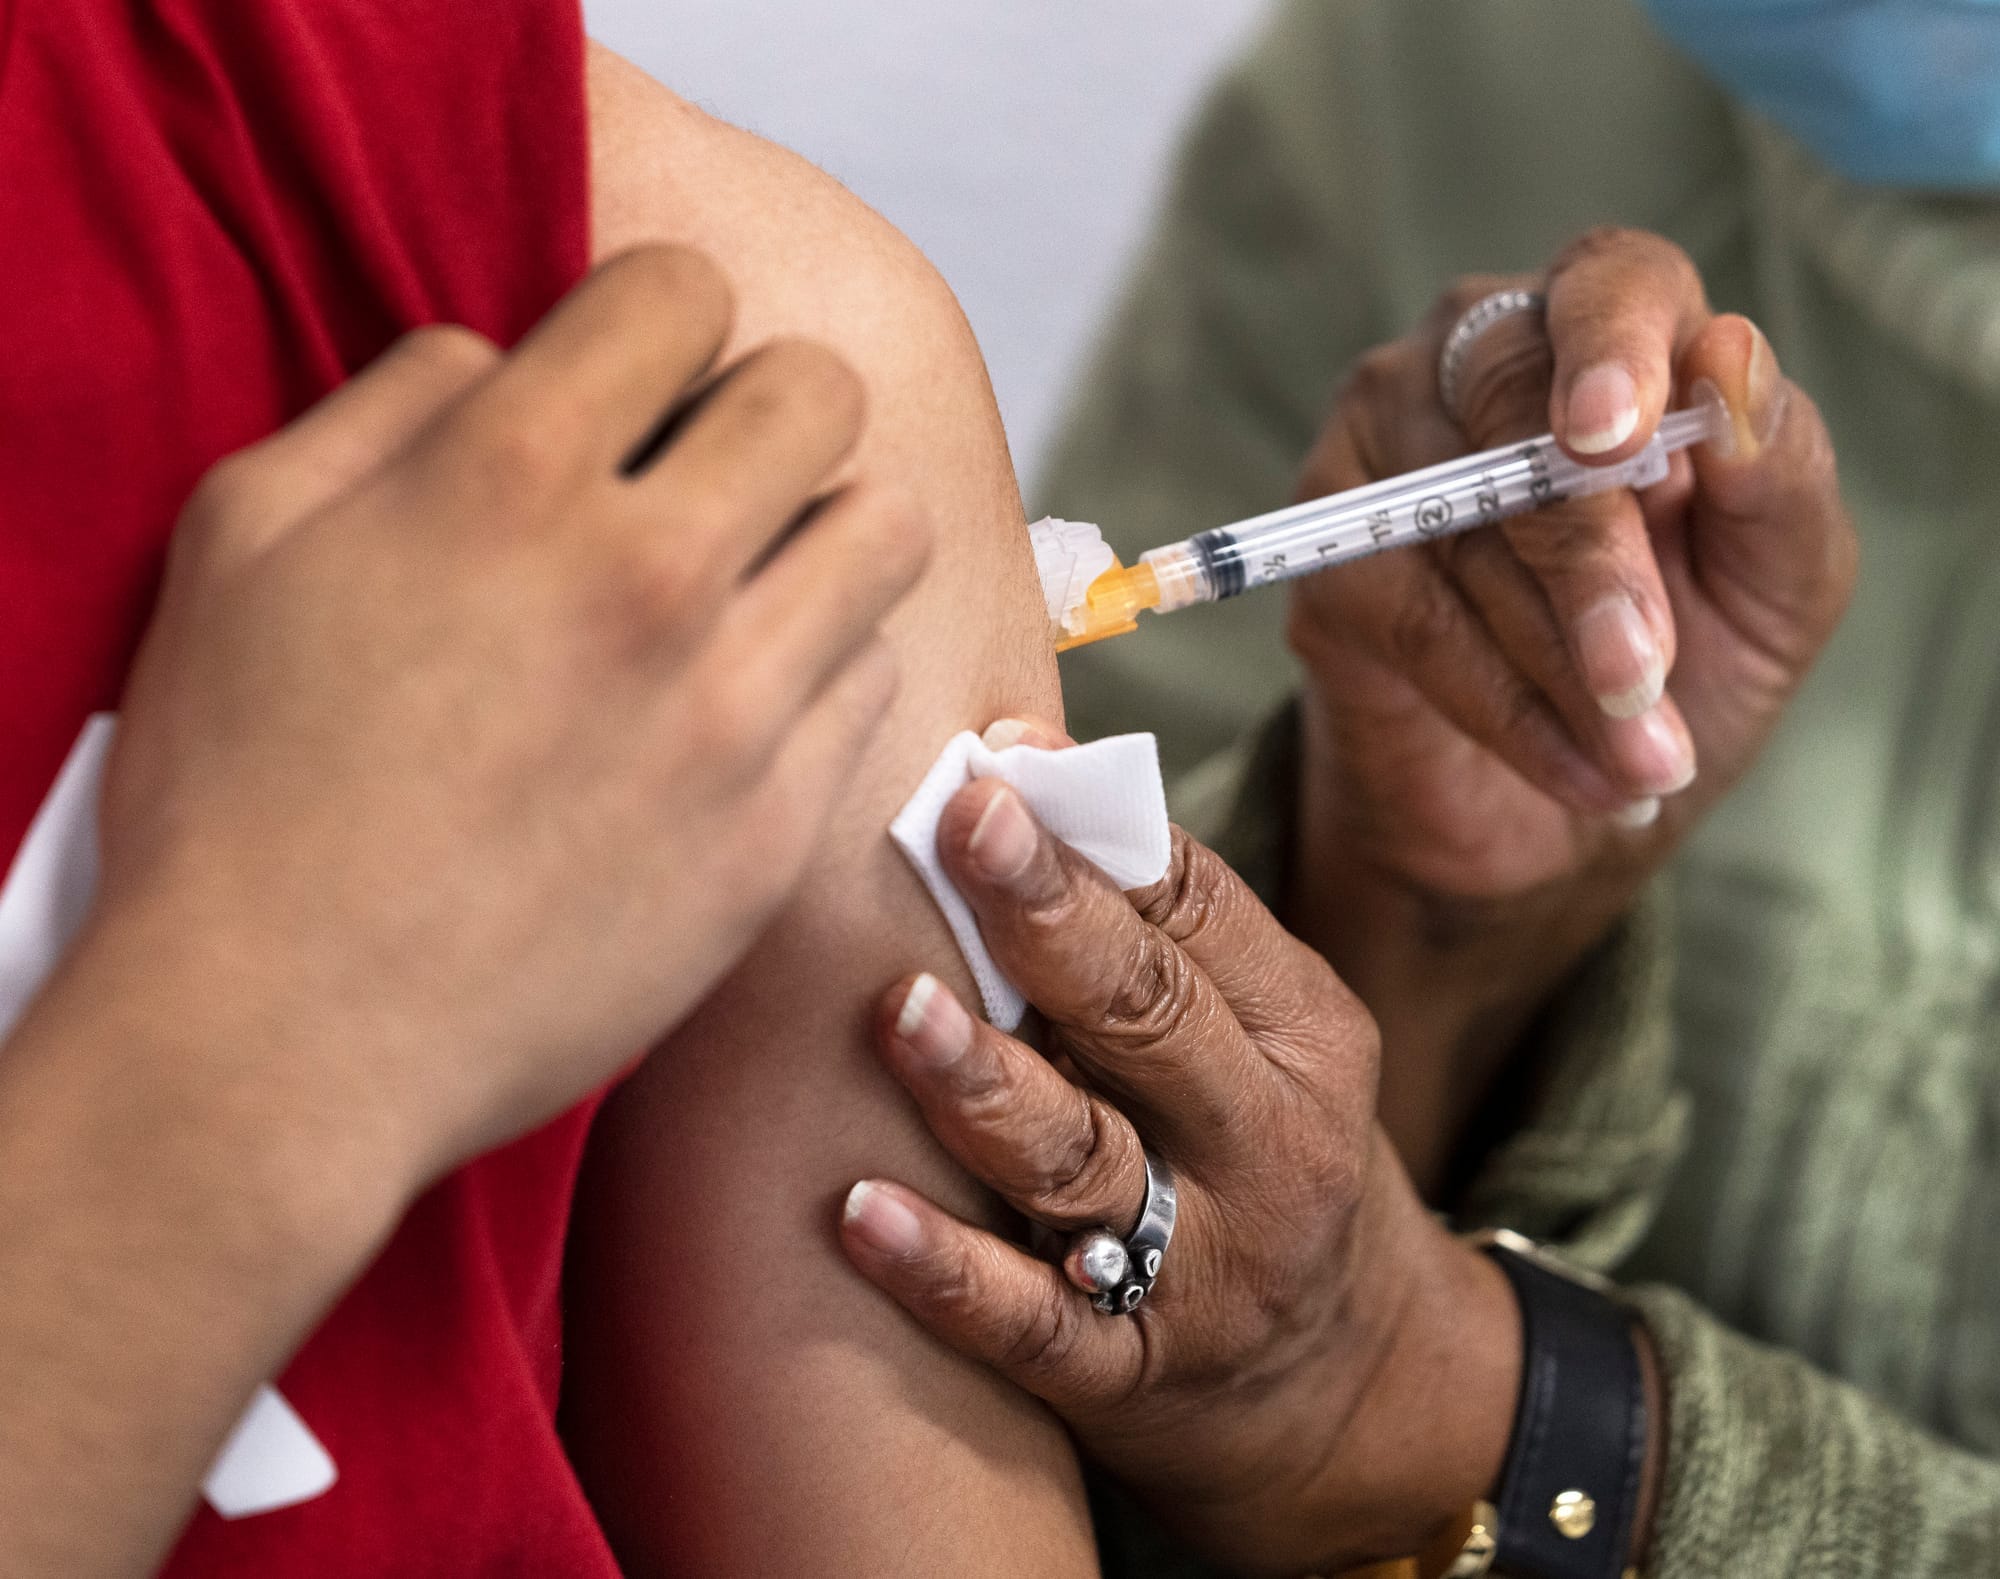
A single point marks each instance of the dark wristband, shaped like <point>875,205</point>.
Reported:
<point>1569,1491</point>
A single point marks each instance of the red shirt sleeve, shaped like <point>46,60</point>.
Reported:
<point>211,212</point>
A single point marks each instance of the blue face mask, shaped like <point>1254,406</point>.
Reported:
<point>1890,92</point>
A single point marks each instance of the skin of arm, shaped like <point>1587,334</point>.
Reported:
<point>737,1402</point>
<point>137,1267</point>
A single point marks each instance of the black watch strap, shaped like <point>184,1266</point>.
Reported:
<point>1570,1490</point>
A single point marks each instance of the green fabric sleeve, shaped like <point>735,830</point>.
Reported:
<point>1774,1469</point>
<point>1602,1124</point>
<point>1585,1170</point>
<point>1777,1471</point>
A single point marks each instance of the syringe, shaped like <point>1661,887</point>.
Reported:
<point>1454,496</point>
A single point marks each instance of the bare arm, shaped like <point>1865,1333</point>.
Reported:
<point>737,1401</point>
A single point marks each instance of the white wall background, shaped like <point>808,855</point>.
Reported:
<point>1020,143</point>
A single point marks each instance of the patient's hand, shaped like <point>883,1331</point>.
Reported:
<point>1503,728</point>
<point>470,755</point>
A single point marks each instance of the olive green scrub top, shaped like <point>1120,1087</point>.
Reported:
<point>1772,1102</point>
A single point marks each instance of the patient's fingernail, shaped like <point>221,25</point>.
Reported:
<point>1640,814</point>
<point>1622,662</point>
<point>934,1023</point>
<point>877,1218</point>
<point>1603,409</point>
<point>1004,839</point>
<point>1007,732</point>
<point>1669,759</point>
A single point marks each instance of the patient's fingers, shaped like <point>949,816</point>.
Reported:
<point>263,491</point>
<point>595,376</point>
<point>992,1302</point>
<point>795,405</point>
<point>803,617</point>
<point>1054,1152</point>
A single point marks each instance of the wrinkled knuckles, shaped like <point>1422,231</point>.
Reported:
<point>1504,383</point>
<point>1042,1341</point>
<point>1053,898</point>
<point>1097,1168</point>
<point>1423,627</point>
<point>1520,712</point>
<point>984,1091</point>
<point>1181,903</point>
<point>1152,996</point>
<point>1565,537</point>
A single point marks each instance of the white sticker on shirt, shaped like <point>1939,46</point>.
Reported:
<point>272,1459</point>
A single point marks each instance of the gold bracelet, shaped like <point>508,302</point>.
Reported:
<point>1472,1557</point>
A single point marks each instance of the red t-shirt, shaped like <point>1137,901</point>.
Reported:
<point>211,212</point>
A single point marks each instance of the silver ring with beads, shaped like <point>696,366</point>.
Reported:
<point>1119,1273</point>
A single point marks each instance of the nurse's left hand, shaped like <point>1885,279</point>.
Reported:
<point>1322,1375</point>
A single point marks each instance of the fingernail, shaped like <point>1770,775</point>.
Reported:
<point>1640,814</point>
<point>1763,391</point>
<point>934,1023</point>
<point>1004,839</point>
<point>882,1221</point>
<point>1669,759</point>
<point>1622,663</point>
<point>1007,732</point>
<point>1706,392</point>
<point>1603,409</point>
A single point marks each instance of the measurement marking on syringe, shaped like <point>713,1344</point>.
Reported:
<point>1418,507</point>
<point>1487,499</point>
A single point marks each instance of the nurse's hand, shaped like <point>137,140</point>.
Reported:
<point>1322,1375</point>
<point>1507,730</point>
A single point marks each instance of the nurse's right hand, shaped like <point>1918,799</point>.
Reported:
<point>1508,730</point>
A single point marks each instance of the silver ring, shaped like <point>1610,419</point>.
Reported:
<point>1119,1273</point>
<point>1472,323</point>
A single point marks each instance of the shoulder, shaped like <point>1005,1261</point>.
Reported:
<point>662,169</point>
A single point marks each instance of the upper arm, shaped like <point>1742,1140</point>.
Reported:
<point>736,1398</point>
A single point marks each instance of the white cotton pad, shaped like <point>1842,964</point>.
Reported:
<point>1105,800</point>
<point>272,1459</point>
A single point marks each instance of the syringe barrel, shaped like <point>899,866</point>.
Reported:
<point>1453,496</point>
<point>1182,576</point>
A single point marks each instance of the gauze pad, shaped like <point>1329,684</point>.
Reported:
<point>1105,800</point>
<point>272,1459</point>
